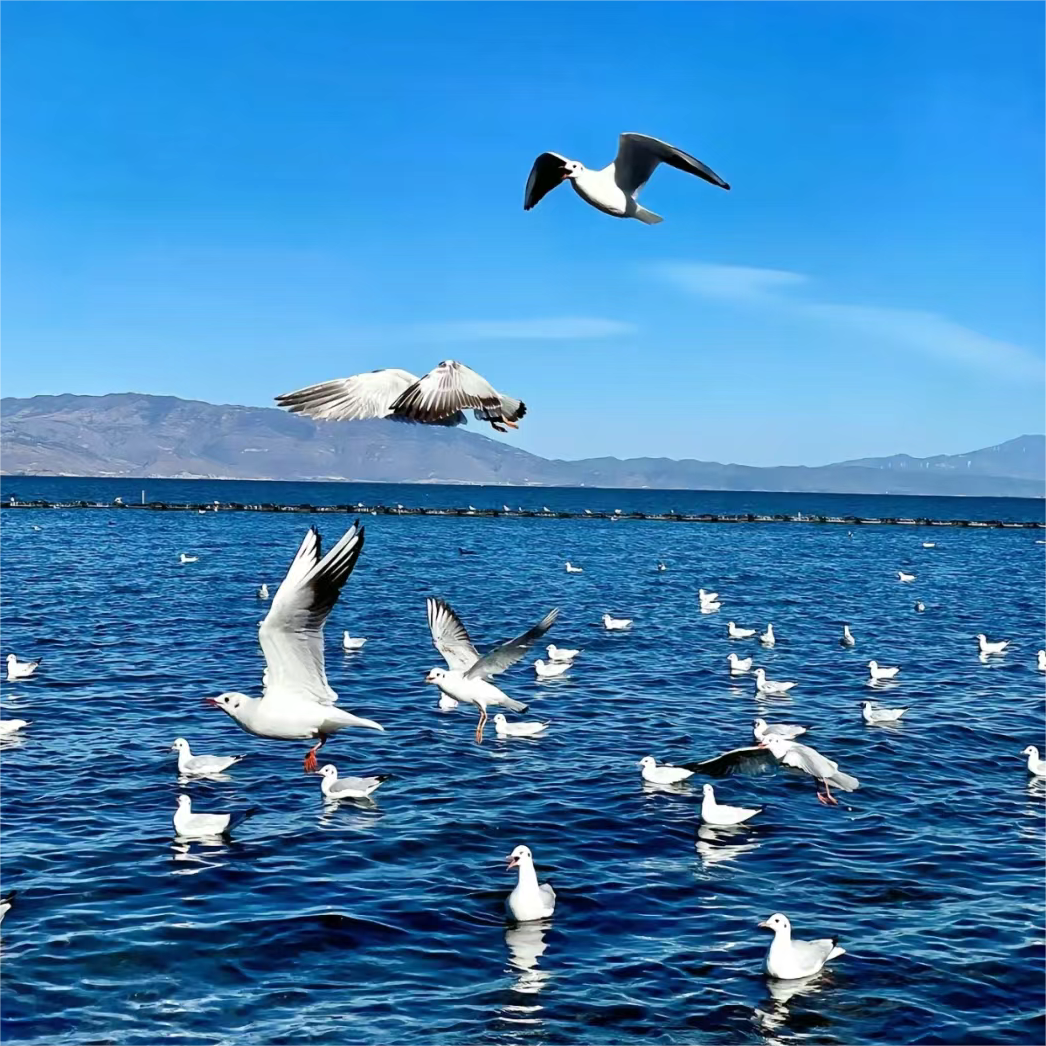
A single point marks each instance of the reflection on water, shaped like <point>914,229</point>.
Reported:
<point>204,855</point>
<point>774,1011</point>
<point>358,815</point>
<point>719,845</point>
<point>526,944</point>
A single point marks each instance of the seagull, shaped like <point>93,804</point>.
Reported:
<point>874,715</point>
<point>350,643</point>
<point>1041,660</point>
<point>789,731</point>
<point>188,825</point>
<point>297,702</point>
<point>929,544</point>
<point>810,761</point>
<point>768,638</point>
<point>558,653</point>
<point>848,639</point>
<point>7,900</point>
<point>263,591</point>
<point>446,704</point>
<point>438,398</point>
<point>190,765</point>
<point>876,673</point>
<point>12,726</point>
<point>661,567</point>
<point>20,669</point>
<point>665,774</point>
<point>183,558</point>
<point>738,633</point>
<point>991,648</point>
<point>615,189</point>
<point>902,576</point>
<point>551,669</point>
<point>739,665</point>
<point>714,813</point>
<point>334,787</point>
<point>768,686</point>
<point>920,607</point>
<point>571,569</point>
<point>503,728</point>
<point>789,960</point>
<point>616,624</point>
<point>711,608</point>
<point>469,675</point>
<point>529,900</point>
<point>707,597</point>
<point>1036,766</point>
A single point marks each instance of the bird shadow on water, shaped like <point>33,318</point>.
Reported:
<point>774,1013</point>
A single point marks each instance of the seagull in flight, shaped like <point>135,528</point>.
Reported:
<point>468,678</point>
<point>297,702</point>
<point>439,398</point>
<point>615,189</point>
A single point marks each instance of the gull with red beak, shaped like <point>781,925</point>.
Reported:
<point>297,702</point>
<point>530,899</point>
<point>788,959</point>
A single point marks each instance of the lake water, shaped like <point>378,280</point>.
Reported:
<point>384,922</point>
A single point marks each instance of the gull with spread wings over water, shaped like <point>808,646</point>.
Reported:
<point>297,702</point>
<point>468,678</point>
<point>439,398</point>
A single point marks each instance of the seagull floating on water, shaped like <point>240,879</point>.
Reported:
<point>571,569</point>
<point>352,642</point>
<point>665,774</point>
<point>469,677</point>
<point>1036,766</point>
<point>707,597</point>
<point>190,765</point>
<point>661,567</point>
<point>929,544</point>
<point>297,702</point>
<point>529,900</point>
<point>902,576</point>
<point>615,189</point>
<point>848,639</point>
<point>1040,662</point>
<point>877,673</point>
<point>920,607</point>
<point>503,728</point>
<point>991,648</point>
<point>789,960</point>
<point>20,669</point>
<point>802,757</point>
<point>715,813</point>
<point>739,665</point>
<point>335,787</point>
<point>616,624</point>
<point>12,726</point>
<point>183,558</point>
<point>768,638</point>
<point>205,826</point>
<point>768,686</point>
<point>263,591</point>
<point>558,653</point>
<point>789,731</point>
<point>438,398</point>
<point>7,900</point>
<point>874,715</point>
<point>738,633</point>
<point>551,669</point>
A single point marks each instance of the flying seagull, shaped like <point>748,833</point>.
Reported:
<point>297,702</point>
<point>438,398</point>
<point>615,189</point>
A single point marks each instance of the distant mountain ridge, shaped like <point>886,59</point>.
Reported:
<point>138,435</point>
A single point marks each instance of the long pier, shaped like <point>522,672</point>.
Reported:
<point>484,513</point>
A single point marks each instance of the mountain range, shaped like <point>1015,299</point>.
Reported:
<point>137,435</point>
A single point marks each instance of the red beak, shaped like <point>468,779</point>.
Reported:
<point>210,702</point>
<point>512,862</point>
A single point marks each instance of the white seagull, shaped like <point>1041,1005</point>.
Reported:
<point>665,774</point>
<point>12,726</point>
<point>551,669</point>
<point>789,731</point>
<point>1040,662</point>
<point>873,715</point>
<point>810,761</point>
<point>297,702</point>
<point>558,653</point>
<point>738,633</point>
<point>616,624</point>
<point>707,597</point>
<point>352,642</point>
<point>1036,766</point>
<point>20,669</point>
<point>183,558</point>
<point>263,591</point>
<point>191,765</point>
<point>529,900</point>
<point>848,639</point>
<point>768,686</point>
<point>205,826</point>
<point>739,665</point>
<point>571,569</point>
<point>920,607</point>
<point>503,728</point>
<point>615,189</point>
<point>902,576</point>
<point>991,648</point>
<point>469,675</point>
<point>718,814</point>
<point>929,544</point>
<point>789,960</point>
<point>335,787</point>
<point>768,638</point>
<point>877,673</point>
<point>8,899</point>
<point>438,398</point>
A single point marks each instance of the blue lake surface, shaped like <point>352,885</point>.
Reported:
<point>385,922</point>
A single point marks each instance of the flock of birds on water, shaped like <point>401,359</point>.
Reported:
<point>298,703</point>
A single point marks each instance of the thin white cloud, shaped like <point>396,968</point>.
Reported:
<point>551,329</point>
<point>914,329</point>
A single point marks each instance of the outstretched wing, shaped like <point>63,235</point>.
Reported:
<point>511,409</point>
<point>369,395</point>
<point>292,633</point>
<point>549,170</point>
<point>639,154</point>
<point>505,656</point>
<point>449,636</point>
<point>753,760</point>
<point>444,391</point>
<point>809,760</point>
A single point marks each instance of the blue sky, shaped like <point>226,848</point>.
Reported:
<point>229,201</point>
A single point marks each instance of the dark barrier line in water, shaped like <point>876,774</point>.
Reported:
<point>397,510</point>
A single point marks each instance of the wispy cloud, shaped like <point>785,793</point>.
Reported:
<point>552,329</point>
<point>916,330</point>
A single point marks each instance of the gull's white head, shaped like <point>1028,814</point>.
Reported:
<point>708,791</point>
<point>231,703</point>
<point>11,659</point>
<point>873,665</point>
<point>777,745</point>
<point>435,675</point>
<point>981,637</point>
<point>184,803</point>
<point>732,658</point>
<point>1032,751</point>
<point>499,719</point>
<point>866,705</point>
<point>180,745</point>
<point>778,923</point>
<point>760,674</point>
<point>520,856</point>
<point>759,724</point>
<point>647,762</point>
<point>572,168</point>
<point>329,771</point>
